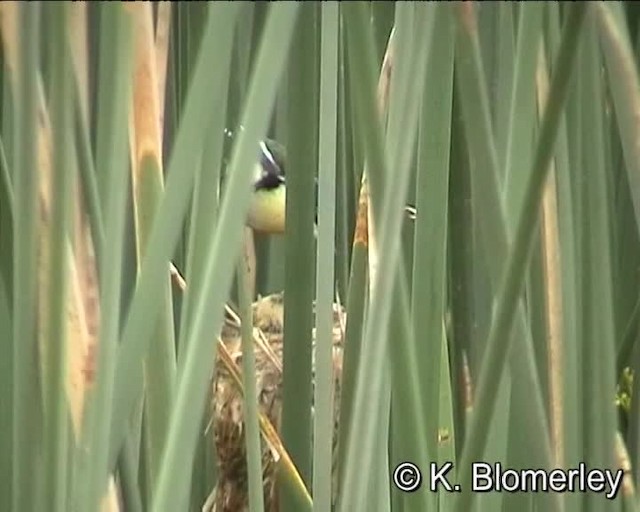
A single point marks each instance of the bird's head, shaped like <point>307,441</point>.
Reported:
<point>268,202</point>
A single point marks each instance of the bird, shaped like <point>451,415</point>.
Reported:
<point>268,203</point>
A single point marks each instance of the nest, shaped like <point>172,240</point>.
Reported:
<point>231,492</point>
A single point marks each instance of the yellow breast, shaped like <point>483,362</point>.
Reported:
<point>267,211</point>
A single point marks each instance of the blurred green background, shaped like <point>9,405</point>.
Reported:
<point>499,323</point>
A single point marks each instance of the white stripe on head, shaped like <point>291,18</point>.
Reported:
<point>267,153</point>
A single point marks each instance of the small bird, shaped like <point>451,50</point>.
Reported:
<point>268,203</point>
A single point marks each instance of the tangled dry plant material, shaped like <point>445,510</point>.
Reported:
<point>227,403</point>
